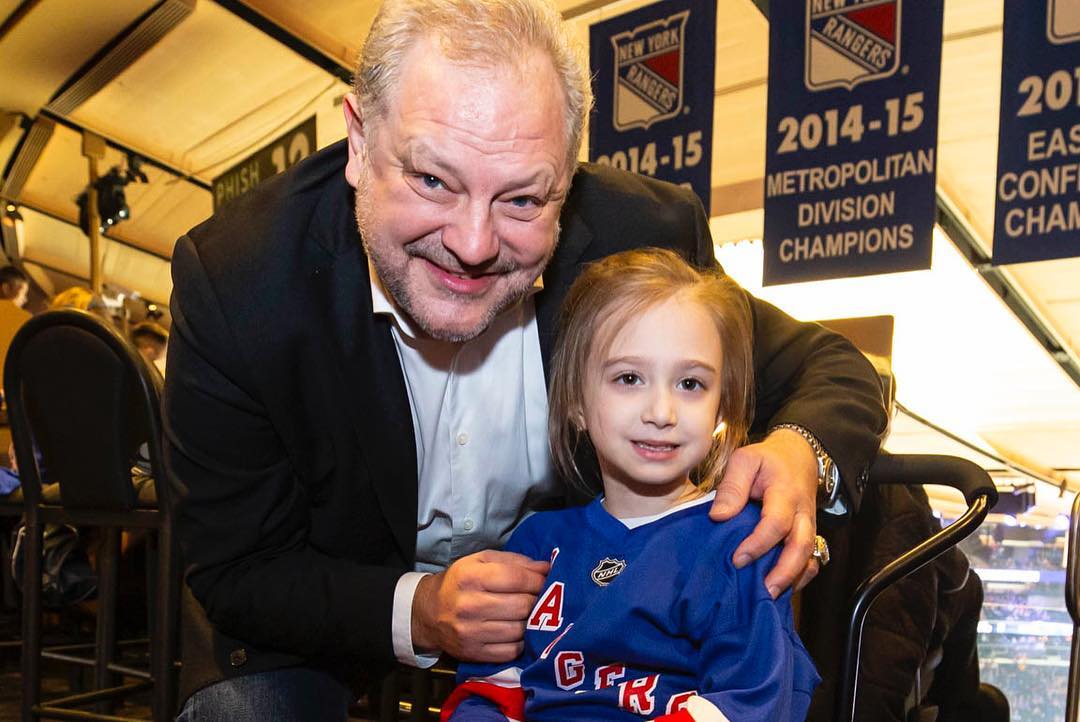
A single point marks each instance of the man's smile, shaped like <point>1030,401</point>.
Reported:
<point>466,284</point>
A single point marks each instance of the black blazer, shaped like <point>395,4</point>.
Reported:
<point>290,445</point>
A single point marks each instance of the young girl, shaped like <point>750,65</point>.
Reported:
<point>644,616</point>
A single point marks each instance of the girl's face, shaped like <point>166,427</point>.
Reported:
<point>651,403</point>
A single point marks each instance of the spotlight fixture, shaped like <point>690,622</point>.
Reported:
<point>134,169</point>
<point>112,205</point>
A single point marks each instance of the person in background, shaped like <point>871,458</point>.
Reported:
<point>14,285</point>
<point>81,298</point>
<point>355,410</point>
<point>152,341</point>
<point>644,614</point>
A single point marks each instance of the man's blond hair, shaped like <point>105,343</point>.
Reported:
<point>489,33</point>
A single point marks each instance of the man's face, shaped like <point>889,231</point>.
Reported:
<point>150,350</point>
<point>17,291</point>
<point>459,187</point>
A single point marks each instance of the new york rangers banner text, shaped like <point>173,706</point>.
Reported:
<point>653,81</point>
<point>851,146</point>
<point>1037,214</point>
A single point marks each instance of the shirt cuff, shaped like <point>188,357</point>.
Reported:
<point>838,507</point>
<point>401,624</point>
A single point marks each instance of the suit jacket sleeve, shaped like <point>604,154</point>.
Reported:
<point>813,377</point>
<point>241,512</point>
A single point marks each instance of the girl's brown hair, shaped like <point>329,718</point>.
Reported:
<point>608,293</point>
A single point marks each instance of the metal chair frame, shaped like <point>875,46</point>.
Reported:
<point>164,612</point>
<point>912,469</point>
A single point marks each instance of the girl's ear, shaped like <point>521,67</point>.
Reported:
<point>577,418</point>
<point>721,427</point>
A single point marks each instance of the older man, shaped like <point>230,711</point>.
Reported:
<point>356,419</point>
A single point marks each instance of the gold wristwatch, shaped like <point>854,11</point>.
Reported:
<point>828,472</point>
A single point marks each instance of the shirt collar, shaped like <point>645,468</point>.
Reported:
<point>383,303</point>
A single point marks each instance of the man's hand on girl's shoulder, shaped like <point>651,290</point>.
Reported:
<point>781,472</point>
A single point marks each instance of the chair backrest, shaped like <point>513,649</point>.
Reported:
<point>873,335</point>
<point>81,393</point>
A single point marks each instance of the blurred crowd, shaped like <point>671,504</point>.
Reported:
<point>985,552</point>
<point>1032,670</point>
<point>1036,693</point>
<point>142,328</point>
<point>138,321</point>
<point>998,605</point>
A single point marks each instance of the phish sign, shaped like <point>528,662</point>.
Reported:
<point>1037,210</point>
<point>270,160</point>
<point>653,82</point>
<point>851,144</point>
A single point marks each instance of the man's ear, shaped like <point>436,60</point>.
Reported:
<point>357,139</point>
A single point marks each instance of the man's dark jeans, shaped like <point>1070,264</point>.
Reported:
<point>283,695</point>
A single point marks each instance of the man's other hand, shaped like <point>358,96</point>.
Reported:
<point>781,471</point>
<point>476,609</point>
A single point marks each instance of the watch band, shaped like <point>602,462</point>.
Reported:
<point>828,472</point>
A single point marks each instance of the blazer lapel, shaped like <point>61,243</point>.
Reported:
<point>368,371</point>
<point>559,275</point>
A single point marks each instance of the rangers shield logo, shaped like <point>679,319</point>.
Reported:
<point>1062,21</point>
<point>851,41</point>
<point>649,72</point>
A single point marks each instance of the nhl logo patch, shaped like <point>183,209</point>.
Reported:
<point>851,42</point>
<point>649,72</point>
<point>607,570</point>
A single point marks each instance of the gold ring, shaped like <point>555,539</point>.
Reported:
<point>821,550</point>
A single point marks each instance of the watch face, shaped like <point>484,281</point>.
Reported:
<point>829,475</point>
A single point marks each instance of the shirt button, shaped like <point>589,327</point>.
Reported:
<point>238,657</point>
<point>462,439</point>
<point>468,525</point>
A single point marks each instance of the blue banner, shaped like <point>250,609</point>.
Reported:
<point>653,82</point>
<point>851,146</point>
<point>1037,214</point>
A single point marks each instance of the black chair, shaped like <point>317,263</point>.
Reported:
<point>81,393</point>
<point>911,470</point>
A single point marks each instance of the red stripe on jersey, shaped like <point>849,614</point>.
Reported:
<point>509,700</point>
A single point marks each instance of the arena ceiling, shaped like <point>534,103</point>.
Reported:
<point>195,85</point>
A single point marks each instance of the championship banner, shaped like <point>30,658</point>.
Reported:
<point>1037,210</point>
<point>851,145</point>
<point>653,82</point>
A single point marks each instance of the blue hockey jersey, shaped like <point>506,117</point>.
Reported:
<point>651,622</point>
